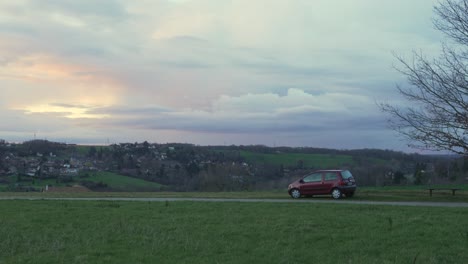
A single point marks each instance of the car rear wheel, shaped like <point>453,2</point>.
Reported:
<point>336,193</point>
<point>295,193</point>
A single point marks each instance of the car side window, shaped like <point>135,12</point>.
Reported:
<point>314,177</point>
<point>331,176</point>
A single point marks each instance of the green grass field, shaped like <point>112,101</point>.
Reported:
<point>292,159</point>
<point>84,149</point>
<point>121,182</point>
<point>206,232</point>
<point>114,181</point>
<point>413,193</point>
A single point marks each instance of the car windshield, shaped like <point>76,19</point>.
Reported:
<point>346,174</point>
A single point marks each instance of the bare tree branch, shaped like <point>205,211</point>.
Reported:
<point>437,89</point>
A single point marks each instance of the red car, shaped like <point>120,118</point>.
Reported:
<point>334,182</point>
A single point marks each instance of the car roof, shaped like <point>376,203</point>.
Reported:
<point>328,170</point>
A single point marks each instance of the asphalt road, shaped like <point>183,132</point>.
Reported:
<point>420,204</point>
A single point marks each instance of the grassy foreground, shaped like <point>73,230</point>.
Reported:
<point>206,232</point>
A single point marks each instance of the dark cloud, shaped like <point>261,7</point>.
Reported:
<point>70,105</point>
<point>27,123</point>
<point>208,122</point>
<point>129,111</point>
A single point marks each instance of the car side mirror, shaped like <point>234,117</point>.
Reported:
<point>301,181</point>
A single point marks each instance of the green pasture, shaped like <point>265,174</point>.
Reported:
<point>414,193</point>
<point>84,149</point>
<point>416,187</point>
<point>121,182</point>
<point>292,159</point>
<point>114,181</point>
<point>230,232</point>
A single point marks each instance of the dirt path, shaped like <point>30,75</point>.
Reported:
<point>429,204</point>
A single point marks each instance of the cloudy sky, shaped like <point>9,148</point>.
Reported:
<point>208,72</point>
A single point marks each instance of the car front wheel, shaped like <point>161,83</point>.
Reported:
<point>295,193</point>
<point>336,193</point>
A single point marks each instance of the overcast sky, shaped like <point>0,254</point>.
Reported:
<point>208,72</point>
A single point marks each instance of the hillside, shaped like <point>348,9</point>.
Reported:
<point>298,159</point>
<point>96,181</point>
<point>185,167</point>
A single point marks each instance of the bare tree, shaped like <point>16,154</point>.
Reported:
<point>437,118</point>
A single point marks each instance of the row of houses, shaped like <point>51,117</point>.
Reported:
<point>37,166</point>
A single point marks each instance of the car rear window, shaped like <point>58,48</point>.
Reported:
<point>346,175</point>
